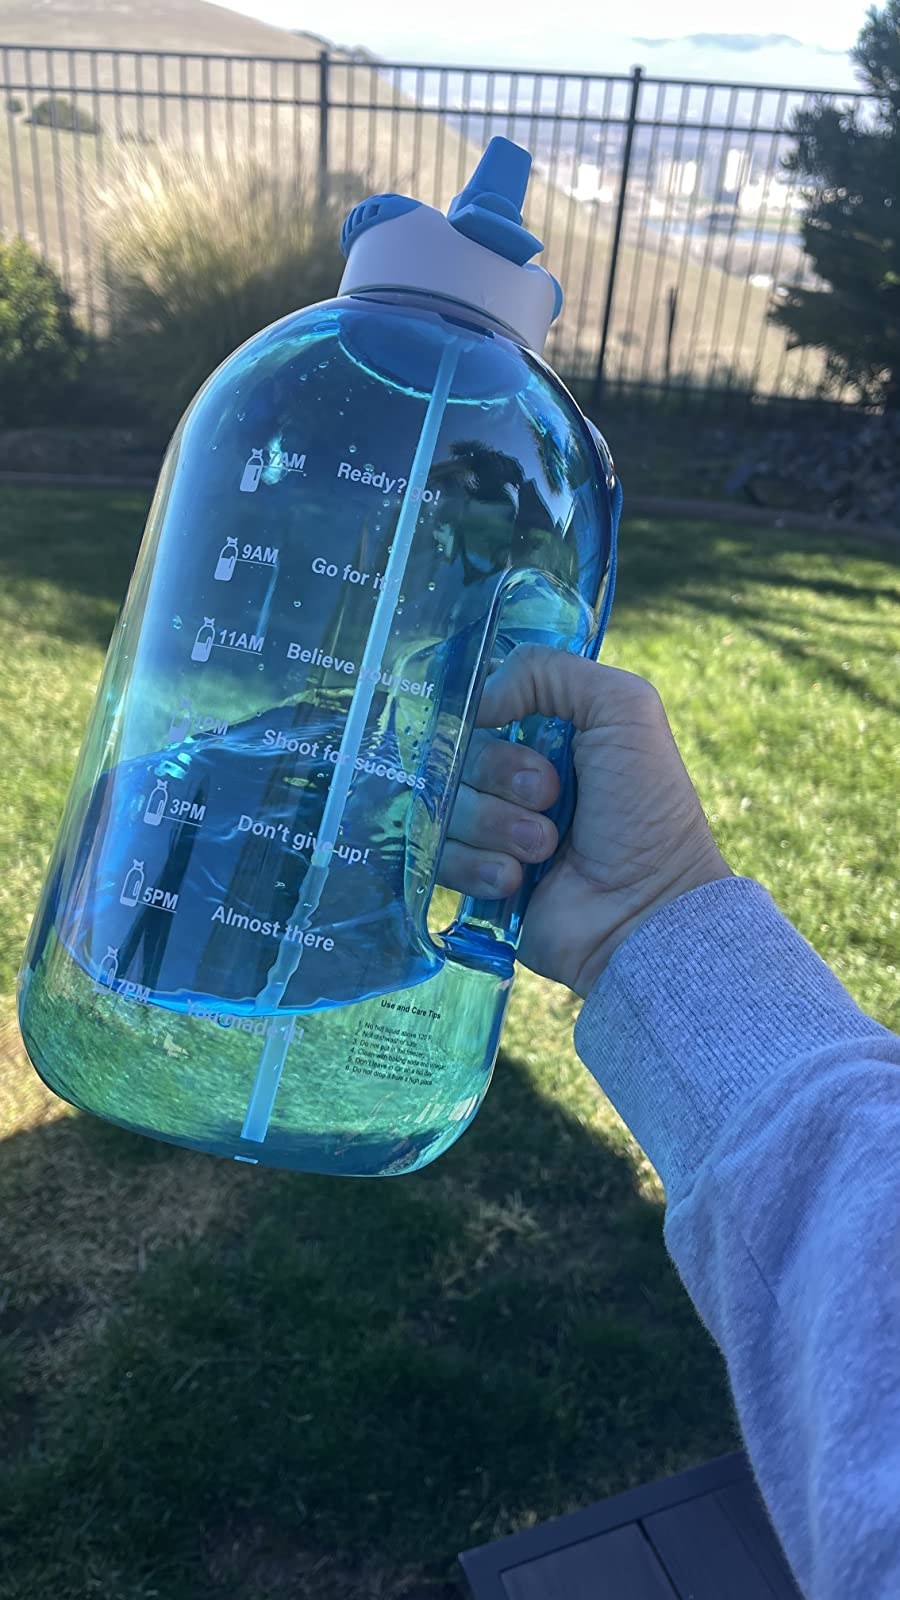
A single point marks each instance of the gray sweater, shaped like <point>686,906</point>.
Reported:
<point>770,1106</point>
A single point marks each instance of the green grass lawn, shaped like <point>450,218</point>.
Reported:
<point>219,1381</point>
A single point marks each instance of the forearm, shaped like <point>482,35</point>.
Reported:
<point>771,1107</point>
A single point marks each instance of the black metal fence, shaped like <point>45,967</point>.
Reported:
<point>664,206</point>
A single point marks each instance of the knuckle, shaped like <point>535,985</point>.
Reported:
<point>505,876</point>
<point>526,654</point>
<point>644,695</point>
<point>486,764</point>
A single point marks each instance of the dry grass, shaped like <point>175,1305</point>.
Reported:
<point>199,255</point>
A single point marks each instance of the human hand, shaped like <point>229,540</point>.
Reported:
<point>638,838</point>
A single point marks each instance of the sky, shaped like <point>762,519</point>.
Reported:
<point>560,35</point>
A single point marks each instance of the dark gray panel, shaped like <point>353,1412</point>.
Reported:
<point>486,1566</point>
<point>614,1566</point>
<point>704,1554</point>
<point>742,1504</point>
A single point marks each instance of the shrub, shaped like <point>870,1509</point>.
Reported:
<point>851,231</point>
<point>201,255</point>
<point>58,112</point>
<point>41,347</point>
<point>14,105</point>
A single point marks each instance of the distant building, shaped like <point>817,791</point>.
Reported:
<point>678,178</point>
<point>769,195</point>
<point>588,187</point>
<point>737,171</point>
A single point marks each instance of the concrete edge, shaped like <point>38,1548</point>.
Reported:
<point>72,480</point>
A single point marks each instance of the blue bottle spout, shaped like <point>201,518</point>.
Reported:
<point>489,208</point>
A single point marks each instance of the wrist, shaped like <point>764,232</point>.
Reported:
<point>709,868</point>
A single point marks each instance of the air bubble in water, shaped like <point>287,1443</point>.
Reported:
<point>431,587</point>
<point>352,449</point>
<point>298,604</point>
<point>176,622</point>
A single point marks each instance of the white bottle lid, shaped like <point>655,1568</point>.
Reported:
<point>478,255</point>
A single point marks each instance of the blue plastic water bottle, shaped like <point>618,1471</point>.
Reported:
<point>363,506</point>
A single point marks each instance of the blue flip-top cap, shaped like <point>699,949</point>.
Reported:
<point>478,254</point>
<point>489,208</point>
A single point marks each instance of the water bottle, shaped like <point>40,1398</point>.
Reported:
<point>204,640</point>
<point>132,885</point>
<point>109,966</point>
<point>252,472</point>
<point>398,491</point>
<point>228,556</point>
<point>156,805</point>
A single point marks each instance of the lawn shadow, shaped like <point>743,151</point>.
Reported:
<point>248,1383</point>
<point>665,557</point>
<point>737,592</point>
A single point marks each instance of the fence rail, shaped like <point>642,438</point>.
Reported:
<point>664,205</point>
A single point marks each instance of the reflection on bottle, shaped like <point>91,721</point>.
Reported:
<point>109,966</point>
<point>227,557</point>
<point>156,805</point>
<point>134,883</point>
<point>252,473</point>
<point>180,726</point>
<point>204,640</point>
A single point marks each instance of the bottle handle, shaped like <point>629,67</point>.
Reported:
<point>485,927</point>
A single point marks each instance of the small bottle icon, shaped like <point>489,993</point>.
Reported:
<point>227,557</point>
<point>180,726</point>
<point>156,805</point>
<point>134,883</point>
<point>109,966</point>
<point>252,473</point>
<point>204,641</point>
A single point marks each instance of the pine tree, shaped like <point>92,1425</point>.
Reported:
<point>849,163</point>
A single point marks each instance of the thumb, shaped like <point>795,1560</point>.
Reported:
<point>555,683</point>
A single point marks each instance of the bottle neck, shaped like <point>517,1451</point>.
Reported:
<point>459,311</point>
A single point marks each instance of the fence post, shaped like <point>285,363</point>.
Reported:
<point>322,177</point>
<point>670,329</point>
<point>636,77</point>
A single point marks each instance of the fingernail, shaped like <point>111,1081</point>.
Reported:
<point>527,835</point>
<point>527,786</point>
<point>492,872</point>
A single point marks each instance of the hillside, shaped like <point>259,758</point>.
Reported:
<point>176,25</point>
